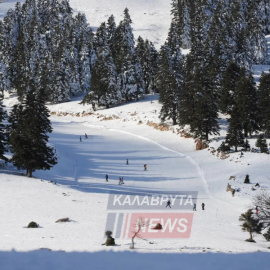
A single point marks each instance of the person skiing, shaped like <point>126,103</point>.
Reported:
<point>168,203</point>
<point>145,167</point>
<point>194,207</point>
<point>257,210</point>
<point>127,162</point>
<point>85,135</point>
<point>80,138</point>
<point>203,206</point>
<point>107,177</point>
<point>120,181</point>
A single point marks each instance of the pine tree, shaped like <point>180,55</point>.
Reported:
<point>148,58</point>
<point>187,94</point>
<point>124,43</point>
<point>103,91</point>
<point>223,147</point>
<point>246,145</point>
<point>111,28</point>
<point>169,77</point>
<point>262,144</point>
<point>181,18</point>
<point>167,86</point>
<point>246,103</point>
<point>238,34</point>
<point>250,224</point>
<point>197,32</point>
<point>29,125</point>
<point>263,103</point>
<point>204,120</point>
<point>235,135</point>
<point>228,84</point>
<point>3,135</point>
<point>4,76</point>
<point>130,79</point>
<point>256,33</point>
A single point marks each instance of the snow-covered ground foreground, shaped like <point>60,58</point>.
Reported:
<point>81,193</point>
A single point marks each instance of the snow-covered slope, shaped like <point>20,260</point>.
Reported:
<point>151,18</point>
<point>6,5</point>
<point>126,132</point>
<point>81,192</point>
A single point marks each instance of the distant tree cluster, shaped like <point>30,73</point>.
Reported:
<point>42,42</point>
<point>224,38</point>
<point>122,71</point>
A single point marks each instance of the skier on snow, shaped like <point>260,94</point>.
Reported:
<point>168,203</point>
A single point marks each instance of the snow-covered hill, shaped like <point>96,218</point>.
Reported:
<point>81,192</point>
<point>76,186</point>
<point>151,18</point>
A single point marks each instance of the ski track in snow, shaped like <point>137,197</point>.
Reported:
<point>192,161</point>
<point>172,165</point>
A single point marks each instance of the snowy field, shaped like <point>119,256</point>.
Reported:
<point>81,193</point>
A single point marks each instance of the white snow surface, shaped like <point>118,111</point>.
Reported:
<point>81,193</point>
<point>151,18</point>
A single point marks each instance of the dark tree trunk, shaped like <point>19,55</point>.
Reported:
<point>206,136</point>
<point>174,120</point>
<point>251,238</point>
<point>29,173</point>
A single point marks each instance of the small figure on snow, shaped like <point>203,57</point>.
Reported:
<point>107,177</point>
<point>145,167</point>
<point>85,135</point>
<point>194,207</point>
<point>120,181</point>
<point>168,203</point>
<point>257,210</point>
<point>80,138</point>
<point>203,206</point>
<point>127,162</point>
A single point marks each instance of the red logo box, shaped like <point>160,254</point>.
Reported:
<point>173,225</point>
